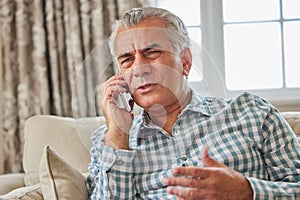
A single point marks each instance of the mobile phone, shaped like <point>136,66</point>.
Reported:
<point>123,101</point>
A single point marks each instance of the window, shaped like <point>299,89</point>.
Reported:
<point>247,45</point>
<point>263,35</point>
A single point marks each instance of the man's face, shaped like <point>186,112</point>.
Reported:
<point>149,64</point>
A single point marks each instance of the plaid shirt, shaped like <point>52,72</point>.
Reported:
<point>246,133</point>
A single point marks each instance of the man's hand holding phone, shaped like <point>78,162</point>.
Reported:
<point>117,111</point>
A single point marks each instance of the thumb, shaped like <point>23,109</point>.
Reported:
<point>207,160</point>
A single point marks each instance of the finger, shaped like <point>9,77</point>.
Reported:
<point>113,92</point>
<point>116,82</point>
<point>107,85</point>
<point>114,78</point>
<point>207,160</point>
<point>184,182</point>
<point>198,172</point>
<point>185,193</point>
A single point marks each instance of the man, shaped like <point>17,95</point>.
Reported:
<point>183,145</point>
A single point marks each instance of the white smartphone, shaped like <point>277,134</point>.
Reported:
<point>123,101</point>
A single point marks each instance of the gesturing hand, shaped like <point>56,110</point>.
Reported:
<point>215,181</point>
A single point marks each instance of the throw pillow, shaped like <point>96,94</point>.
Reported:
<point>58,179</point>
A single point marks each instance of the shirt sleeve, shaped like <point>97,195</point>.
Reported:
<point>281,151</point>
<point>110,171</point>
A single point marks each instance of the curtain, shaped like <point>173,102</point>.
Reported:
<point>49,62</point>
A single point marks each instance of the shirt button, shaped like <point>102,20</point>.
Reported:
<point>184,158</point>
<point>209,99</point>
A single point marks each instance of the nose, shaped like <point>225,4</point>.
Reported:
<point>141,67</point>
<point>142,70</point>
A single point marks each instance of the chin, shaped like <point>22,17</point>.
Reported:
<point>147,102</point>
<point>146,105</point>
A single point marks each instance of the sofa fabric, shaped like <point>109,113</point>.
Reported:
<point>33,192</point>
<point>68,136</point>
<point>293,118</point>
<point>8,182</point>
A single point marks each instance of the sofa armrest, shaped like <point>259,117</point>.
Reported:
<point>293,118</point>
<point>8,182</point>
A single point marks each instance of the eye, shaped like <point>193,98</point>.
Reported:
<point>126,62</point>
<point>153,54</point>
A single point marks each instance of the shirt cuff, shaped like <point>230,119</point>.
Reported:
<point>118,160</point>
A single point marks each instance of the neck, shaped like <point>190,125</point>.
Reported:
<point>166,117</point>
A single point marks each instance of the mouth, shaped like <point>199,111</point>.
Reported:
<point>146,87</point>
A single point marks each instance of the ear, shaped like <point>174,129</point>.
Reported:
<point>186,59</point>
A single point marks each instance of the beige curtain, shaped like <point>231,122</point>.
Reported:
<point>48,66</point>
<point>1,126</point>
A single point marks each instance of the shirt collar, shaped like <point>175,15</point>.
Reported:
<point>198,104</point>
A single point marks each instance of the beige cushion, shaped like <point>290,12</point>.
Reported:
<point>293,118</point>
<point>70,137</point>
<point>33,192</point>
<point>59,180</point>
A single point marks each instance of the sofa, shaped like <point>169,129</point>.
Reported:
<point>56,155</point>
<point>69,139</point>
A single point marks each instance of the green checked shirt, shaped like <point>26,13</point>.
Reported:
<point>246,133</point>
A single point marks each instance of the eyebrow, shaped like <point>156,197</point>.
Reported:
<point>151,46</point>
<point>146,48</point>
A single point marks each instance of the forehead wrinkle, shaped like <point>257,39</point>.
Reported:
<point>137,38</point>
<point>143,49</point>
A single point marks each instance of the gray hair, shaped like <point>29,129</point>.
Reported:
<point>179,35</point>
